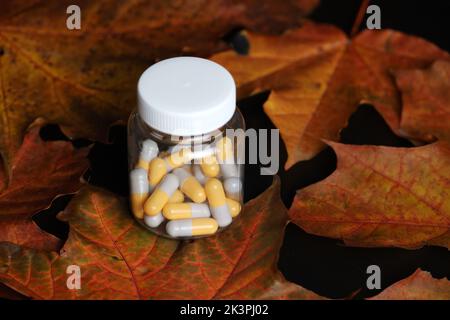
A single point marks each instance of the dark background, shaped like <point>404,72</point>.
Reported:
<point>323,265</point>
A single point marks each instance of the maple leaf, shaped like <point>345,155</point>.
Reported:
<point>426,101</point>
<point>119,259</point>
<point>318,77</point>
<point>40,172</point>
<point>85,80</point>
<point>381,196</point>
<point>418,286</point>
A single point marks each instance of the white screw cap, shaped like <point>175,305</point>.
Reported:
<point>186,96</point>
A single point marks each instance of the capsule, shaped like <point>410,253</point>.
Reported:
<point>198,174</point>
<point>161,195</point>
<point>200,151</point>
<point>174,148</point>
<point>153,221</point>
<point>224,150</point>
<point>176,211</point>
<point>176,197</point>
<point>159,167</point>
<point>233,187</point>
<point>148,152</point>
<point>157,170</point>
<point>225,154</point>
<point>234,207</point>
<point>191,227</point>
<point>190,186</point>
<point>179,158</point>
<point>217,202</point>
<point>188,168</point>
<point>139,190</point>
<point>210,167</point>
<point>229,170</point>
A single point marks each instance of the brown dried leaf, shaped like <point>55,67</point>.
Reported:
<point>426,101</point>
<point>318,77</point>
<point>41,171</point>
<point>84,80</point>
<point>381,196</point>
<point>119,259</point>
<point>418,286</point>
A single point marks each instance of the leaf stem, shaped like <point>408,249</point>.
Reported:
<point>359,17</point>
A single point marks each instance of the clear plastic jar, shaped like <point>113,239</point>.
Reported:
<point>186,175</point>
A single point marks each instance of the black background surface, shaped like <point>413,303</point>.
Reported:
<point>323,265</point>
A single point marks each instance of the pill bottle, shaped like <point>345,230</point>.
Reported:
<point>184,149</point>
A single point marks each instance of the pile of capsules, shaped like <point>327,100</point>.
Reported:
<point>196,199</point>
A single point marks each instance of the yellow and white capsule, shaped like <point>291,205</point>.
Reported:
<point>148,152</point>
<point>159,167</point>
<point>187,210</point>
<point>176,197</point>
<point>225,155</point>
<point>198,174</point>
<point>188,168</point>
<point>191,227</point>
<point>233,188</point>
<point>139,190</point>
<point>190,186</point>
<point>217,202</point>
<point>178,158</point>
<point>234,207</point>
<point>153,221</point>
<point>156,171</point>
<point>161,195</point>
<point>210,167</point>
<point>175,148</point>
